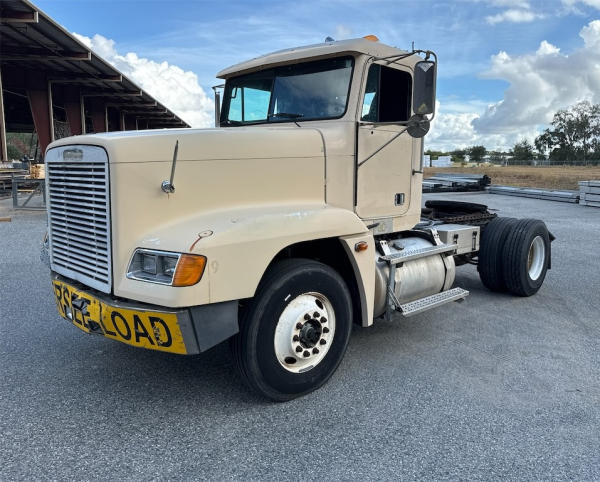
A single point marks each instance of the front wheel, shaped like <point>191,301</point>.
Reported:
<point>295,331</point>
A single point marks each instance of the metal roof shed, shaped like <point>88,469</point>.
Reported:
<point>51,81</point>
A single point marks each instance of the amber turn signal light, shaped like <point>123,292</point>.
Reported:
<point>361,246</point>
<point>190,269</point>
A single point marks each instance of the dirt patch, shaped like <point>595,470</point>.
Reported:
<point>528,176</point>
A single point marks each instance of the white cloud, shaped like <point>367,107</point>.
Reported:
<point>513,15</point>
<point>175,88</point>
<point>541,83</point>
<point>342,32</point>
<point>454,128</point>
<point>510,3</point>
<point>589,3</point>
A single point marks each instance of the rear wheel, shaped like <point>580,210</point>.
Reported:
<point>295,331</point>
<point>490,259</point>
<point>526,256</point>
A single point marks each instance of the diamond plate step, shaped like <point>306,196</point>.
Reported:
<point>433,301</point>
<point>408,255</point>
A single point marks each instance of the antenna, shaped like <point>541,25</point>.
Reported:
<point>413,45</point>
<point>168,186</point>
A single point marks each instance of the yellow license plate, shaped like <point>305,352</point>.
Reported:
<point>145,329</point>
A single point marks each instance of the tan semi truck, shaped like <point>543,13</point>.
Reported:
<point>297,216</point>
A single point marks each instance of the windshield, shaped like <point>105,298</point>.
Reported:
<point>307,91</point>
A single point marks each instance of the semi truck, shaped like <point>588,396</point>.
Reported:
<point>297,216</point>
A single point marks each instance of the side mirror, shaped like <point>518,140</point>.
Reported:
<point>218,103</point>
<point>417,126</point>
<point>424,87</point>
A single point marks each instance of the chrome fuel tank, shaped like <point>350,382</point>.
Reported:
<point>414,279</point>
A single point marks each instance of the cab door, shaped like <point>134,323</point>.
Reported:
<point>385,154</point>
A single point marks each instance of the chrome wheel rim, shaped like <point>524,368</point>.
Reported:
<point>536,258</point>
<point>304,332</point>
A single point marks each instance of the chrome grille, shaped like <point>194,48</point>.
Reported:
<point>79,214</point>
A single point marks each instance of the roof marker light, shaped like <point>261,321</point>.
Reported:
<point>372,38</point>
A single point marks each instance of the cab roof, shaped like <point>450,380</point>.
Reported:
<point>314,51</point>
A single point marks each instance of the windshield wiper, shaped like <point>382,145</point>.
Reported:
<point>287,115</point>
<point>232,122</point>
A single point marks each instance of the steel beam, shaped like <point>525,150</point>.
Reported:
<point>131,104</point>
<point>73,109</point>
<point>38,101</point>
<point>98,114</point>
<point>142,113</point>
<point>82,56</point>
<point>13,16</point>
<point>51,111</point>
<point>157,117</point>
<point>82,107</point>
<point>3,146</point>
<point>112,93</point>
<point>91,78</point>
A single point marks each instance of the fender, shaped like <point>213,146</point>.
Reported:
<point>239,245</point>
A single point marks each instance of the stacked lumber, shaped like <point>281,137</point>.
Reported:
<point>544,194</point>
<point>589,193</point>
<point>448,182</point>
<point>38,171</point>
<point>6,178</point>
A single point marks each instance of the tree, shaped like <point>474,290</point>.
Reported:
<point>435,154</point>
<point>458,155</point>
<point>574,135</point>
<point>476,153</point>
<point>523,151</point>
<point>497,157</point>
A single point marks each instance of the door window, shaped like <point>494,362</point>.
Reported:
<point>388,95</point>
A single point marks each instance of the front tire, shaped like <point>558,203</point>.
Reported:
<point>295,331</point>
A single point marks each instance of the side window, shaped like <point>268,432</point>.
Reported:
<point>369,109</point>
<point>249,104</point>
<point>388,95</point>
<point>235,104</point>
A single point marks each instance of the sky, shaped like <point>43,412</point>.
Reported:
<point>505,66</point>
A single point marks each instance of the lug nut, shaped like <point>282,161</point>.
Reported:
<point>323,320</point>
<point>296,338</point>
<point>306,354</point>
<point>325,330</point>
<point>322,342</point>
<point>298,326</point>
<point>316,314</point>
<point>298,349</point>
<point>315,351</point>
<point>307,317</point>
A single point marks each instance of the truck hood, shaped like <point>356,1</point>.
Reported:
<point>225,179</point>
<point>204,144</point>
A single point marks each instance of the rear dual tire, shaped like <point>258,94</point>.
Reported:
<point>514,255</point>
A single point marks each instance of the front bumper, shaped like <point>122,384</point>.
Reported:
<point>185,331</point>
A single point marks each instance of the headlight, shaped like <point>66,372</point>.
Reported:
<point>166,268</point>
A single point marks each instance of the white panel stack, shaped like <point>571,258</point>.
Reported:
<point>589,193</point>
<point>442,161</point>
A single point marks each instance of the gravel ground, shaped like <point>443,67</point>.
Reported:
<point>496,387</point>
